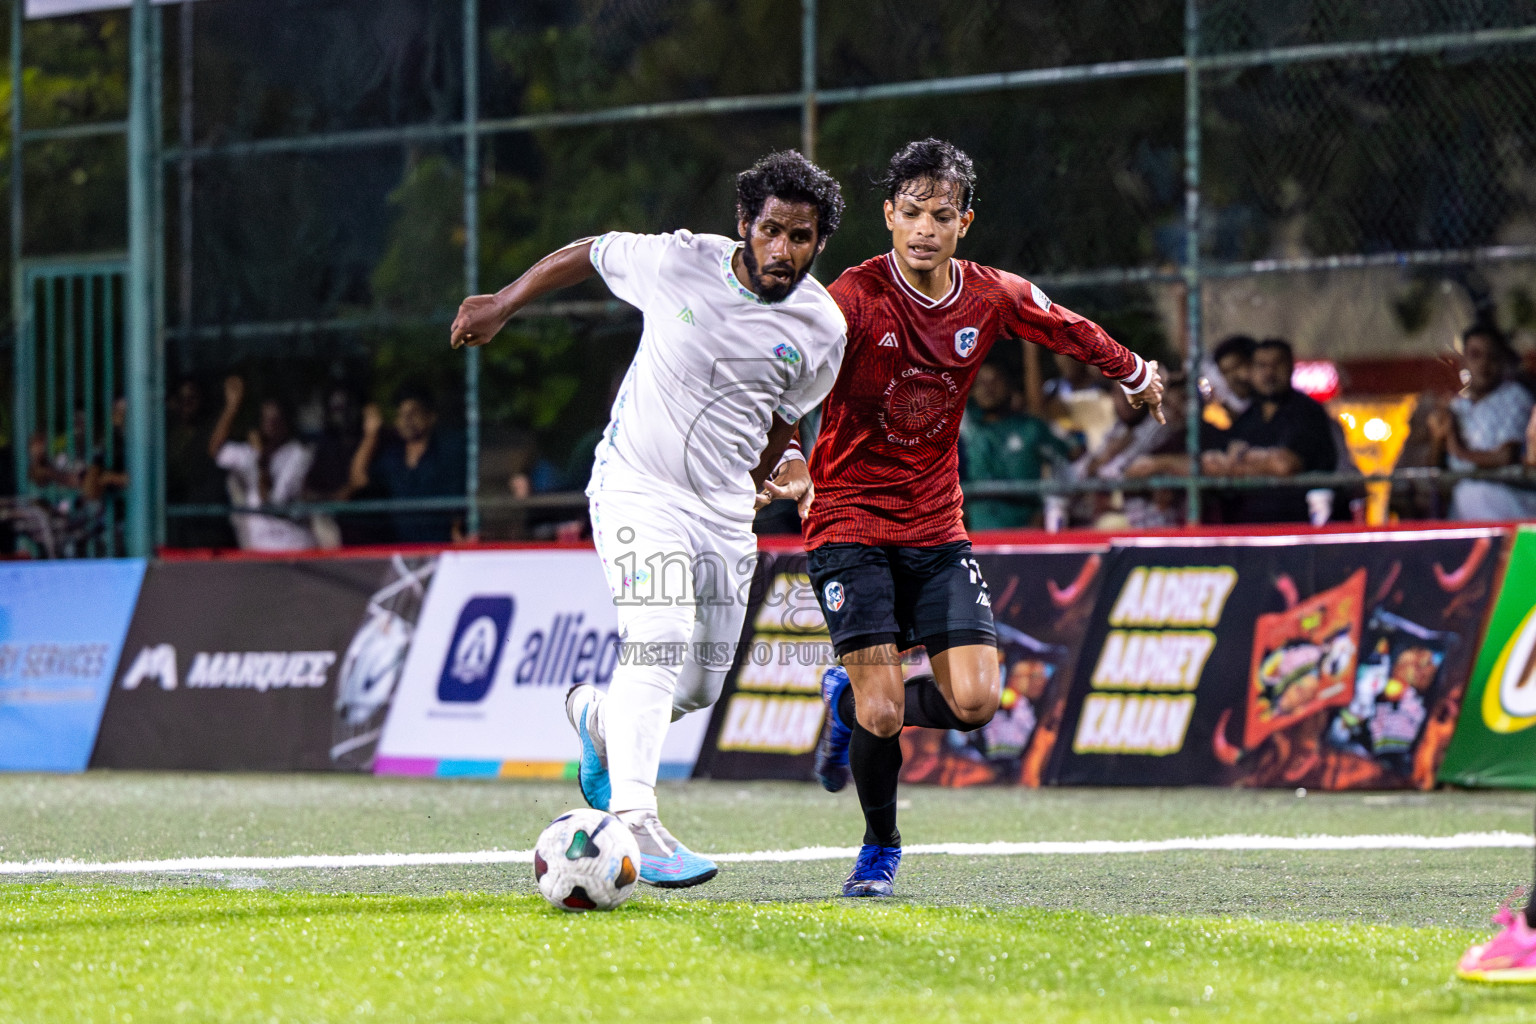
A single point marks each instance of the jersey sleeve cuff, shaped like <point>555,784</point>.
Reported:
<point>599,245</point>
<point>792,453</point>
<point>1138,379</point>
<point>789,414</point>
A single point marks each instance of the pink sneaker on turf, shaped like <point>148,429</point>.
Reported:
<point>1508,956</point>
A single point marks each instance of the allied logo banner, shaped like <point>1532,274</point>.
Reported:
<point>502,637</point>
<point>1495,740</point>
<point>1323,661</point>
<point>58,650</point>
<point>257,665</point>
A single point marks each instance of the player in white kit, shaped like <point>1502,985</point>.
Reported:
<point>738,344</point>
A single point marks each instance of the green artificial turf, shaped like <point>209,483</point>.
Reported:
<point>1257,935</point>
<point>121,955</point>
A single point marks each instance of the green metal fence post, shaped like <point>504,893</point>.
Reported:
<point>156,167</point>
<point>472,258</point>
<point>808,78</point>
<point>139,370</point>
<point>1191,268</point>
<point>23,414</point>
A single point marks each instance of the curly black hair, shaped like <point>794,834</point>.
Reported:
<point>930,164</point>
<point>791,177</point>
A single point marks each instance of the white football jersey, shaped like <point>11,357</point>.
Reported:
<point>715,363</point>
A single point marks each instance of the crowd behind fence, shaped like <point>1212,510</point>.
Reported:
<point>1351,177</point>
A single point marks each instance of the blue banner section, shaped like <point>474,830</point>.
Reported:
<point>61,632</point>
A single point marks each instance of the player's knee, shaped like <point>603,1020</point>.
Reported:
<point>977,710</point>
<point>879,716</point>
<point>685,703</point>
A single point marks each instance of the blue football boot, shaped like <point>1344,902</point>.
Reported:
<point>874,873</point>
<point>832,752</point>
<point>581,704</point>
<point>665,862</point>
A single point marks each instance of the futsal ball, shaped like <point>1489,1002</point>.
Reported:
<point>586,860</point>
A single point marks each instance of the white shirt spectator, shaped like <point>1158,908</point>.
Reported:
<point>1495,420</point>
<point>288,468</point>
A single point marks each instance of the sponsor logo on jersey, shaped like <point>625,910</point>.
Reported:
<point>965,341</point>
<point>1039,297</point>
<point>889,341</point>
<point>686,316</point>
<point>834,595</point>
<point>788,353</point>
<point>475,650</point>
<point>232,670</point>
<point>918,405</point>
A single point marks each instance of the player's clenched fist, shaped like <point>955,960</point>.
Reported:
<point>480,318</point>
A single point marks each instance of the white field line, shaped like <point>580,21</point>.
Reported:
<point>1089,847</point>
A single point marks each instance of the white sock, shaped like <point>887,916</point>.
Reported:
<point>635,719</point>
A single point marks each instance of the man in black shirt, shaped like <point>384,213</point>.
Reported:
<point>1283,432</point>
<point>424,462</point>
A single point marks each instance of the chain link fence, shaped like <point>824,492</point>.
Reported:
<point>1358,178</point>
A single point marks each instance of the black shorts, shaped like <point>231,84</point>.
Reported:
<point>933,596</point>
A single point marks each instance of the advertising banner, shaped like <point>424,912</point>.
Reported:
<point>57,653</point>
<point>1041,601</point>
<point>258,665</point>
<point>1324,661</point>
<point>770,715</point>
<point>503,635</point>
<point>1494,743</point>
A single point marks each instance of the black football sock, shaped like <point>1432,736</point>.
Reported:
<point>927,707</point>
<point>1530,907</point>
<point>876,763</point>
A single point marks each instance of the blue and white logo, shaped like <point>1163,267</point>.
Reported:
<point>834,595</point>
<point>475,650</point>
<point>788,353</point>
<point>965,341</point>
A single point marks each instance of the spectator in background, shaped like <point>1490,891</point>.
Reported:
<point>997,443</point>
<point>1483,427</point>
<point>267,468</point>
<point>420,462</point>
<point>1282,433</point>
<point>191,475</point>
<point>330,477</point>
<point>1169,457</point>
<point>1232,382</point>
<point>1135,433</point>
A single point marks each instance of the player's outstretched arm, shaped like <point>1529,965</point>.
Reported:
<point>481,317</point>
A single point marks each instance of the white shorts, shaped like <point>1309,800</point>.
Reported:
<point>679,583</point>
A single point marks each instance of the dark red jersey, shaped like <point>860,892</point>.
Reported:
<point>885,465</point>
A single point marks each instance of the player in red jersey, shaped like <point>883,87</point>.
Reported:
<point>888,553</point>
